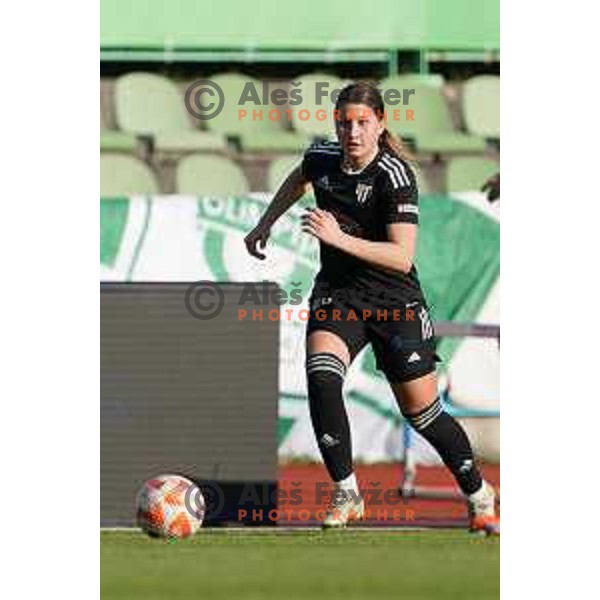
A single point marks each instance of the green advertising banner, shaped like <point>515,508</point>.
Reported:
<point>181,238</point>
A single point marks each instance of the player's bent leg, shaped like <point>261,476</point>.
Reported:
<point>327,341</point>
<point>447,436</point>
<point>326,363</point>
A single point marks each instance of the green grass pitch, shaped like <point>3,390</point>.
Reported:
<point>334,565</point>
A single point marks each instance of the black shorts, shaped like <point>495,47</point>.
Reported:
<point>400,332</point>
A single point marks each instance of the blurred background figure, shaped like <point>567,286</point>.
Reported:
<point>492,187</point>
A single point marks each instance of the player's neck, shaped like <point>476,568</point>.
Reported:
<point>353,166</point>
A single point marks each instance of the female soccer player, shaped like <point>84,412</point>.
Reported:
<point>368,291</point>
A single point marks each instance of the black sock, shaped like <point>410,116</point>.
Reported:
<point>325,373</point>
<point>446,435</point>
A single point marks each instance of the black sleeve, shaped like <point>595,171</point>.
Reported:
<point>400,194</point>
<point>319,158</point>
<point>309,165</point>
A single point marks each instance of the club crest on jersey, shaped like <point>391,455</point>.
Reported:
<point>363,192</point>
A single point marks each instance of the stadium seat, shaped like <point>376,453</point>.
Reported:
<point>151,105</point>
<point>117,141</point>
<point>422,182</point>
<point>312,127</point>
<point>122,175</point>
<point>253,134</point>
<point>481,105</point>
<point>111,140</point>
<point>279,169</point>
<point>432,129</point>
<point>203,174</point>
<point>466,173</point>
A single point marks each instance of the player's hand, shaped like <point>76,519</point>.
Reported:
<point>322,225</point>
<point>257,237</point>
<point>492,187</point>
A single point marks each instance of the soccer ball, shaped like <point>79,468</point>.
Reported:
<point>170,506</point>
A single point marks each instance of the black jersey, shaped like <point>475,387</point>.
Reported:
<point>364,203</point>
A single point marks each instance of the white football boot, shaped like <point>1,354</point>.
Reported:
<point>343,510</point>
<point>482,511</point>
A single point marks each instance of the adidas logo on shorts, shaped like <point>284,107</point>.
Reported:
<point>414,357</point>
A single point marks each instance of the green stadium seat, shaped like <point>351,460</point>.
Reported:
<point>122,175</point>
<point>151,105</point>
<point>111,140</point>
<point>312,127</point>
<point>481,105</point>
<point>432,129</point>
<point>469,173</point>
<point>422,183</point>
<point>201,174</point>
<point>279,169</point>
<point>253,134</point>
<point>117,141</point>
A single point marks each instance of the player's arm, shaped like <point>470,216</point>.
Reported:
<point>396,254</point>
<point>290,191</point>
<point>400,212</point>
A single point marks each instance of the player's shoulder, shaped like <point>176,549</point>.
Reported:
<point>395,171</point>
<point>321,158</point>
<point>324,148</point>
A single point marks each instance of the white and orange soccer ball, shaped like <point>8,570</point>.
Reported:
<point>170,506</point>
